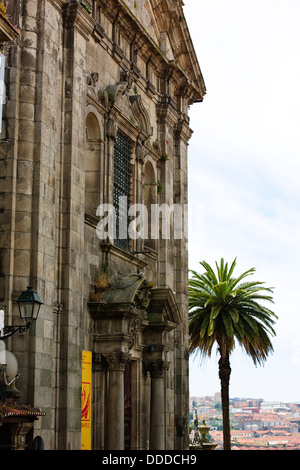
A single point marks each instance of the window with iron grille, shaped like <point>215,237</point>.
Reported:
<point>122,189</point>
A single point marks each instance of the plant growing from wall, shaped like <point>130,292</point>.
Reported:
<point>102,283</point>
<point>164,157</point>
<point>86,7</point>
<point>159,186</point>
<point>110,96</point>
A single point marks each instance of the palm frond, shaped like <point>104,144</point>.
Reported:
<point>223,307</point>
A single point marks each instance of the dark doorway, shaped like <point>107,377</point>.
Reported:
<point>5,443</point>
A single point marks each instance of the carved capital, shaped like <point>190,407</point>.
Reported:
<point>99,362</point>
<point>117,361</point>
<point>156,368</point>
<point>70,12</point>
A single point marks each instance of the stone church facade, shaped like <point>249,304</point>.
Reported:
<point>96,112</point>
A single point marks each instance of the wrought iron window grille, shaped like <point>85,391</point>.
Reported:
<point>122,189</point>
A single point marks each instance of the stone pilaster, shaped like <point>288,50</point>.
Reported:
<point>115,405</point>
<point>77,27</point>
<point>157,371</point>
<point>98,396</point>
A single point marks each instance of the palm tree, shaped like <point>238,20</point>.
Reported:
<point>225,311</point>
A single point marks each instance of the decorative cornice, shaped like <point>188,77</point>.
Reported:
<point>124,255</point>
<point>170,18</point>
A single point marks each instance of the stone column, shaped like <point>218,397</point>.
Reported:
<point>99,389</point>
<point>157,411</point>
<point>115,402</point>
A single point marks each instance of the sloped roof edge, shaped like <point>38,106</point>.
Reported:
<point>7,30</point>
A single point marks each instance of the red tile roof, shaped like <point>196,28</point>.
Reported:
<point>3,17</point>
<point>15,409</point>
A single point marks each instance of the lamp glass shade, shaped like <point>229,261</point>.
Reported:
<point>29,304</point>
<point>9,359</point>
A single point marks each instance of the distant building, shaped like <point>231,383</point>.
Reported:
<point>245,403</point>
<point>217,397</point>
<point>273,405</point>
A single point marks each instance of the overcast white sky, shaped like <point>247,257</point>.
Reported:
<point>244,171</point>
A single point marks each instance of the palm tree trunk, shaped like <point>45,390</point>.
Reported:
<point>224,375</point>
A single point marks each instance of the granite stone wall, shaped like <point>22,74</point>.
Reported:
<point>78,74</point>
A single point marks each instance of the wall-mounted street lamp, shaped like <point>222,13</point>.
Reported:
<point>29,307</point>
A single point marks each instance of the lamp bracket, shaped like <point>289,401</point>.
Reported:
<point>12,329</point>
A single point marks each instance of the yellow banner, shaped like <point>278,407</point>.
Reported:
<point>86,391</point>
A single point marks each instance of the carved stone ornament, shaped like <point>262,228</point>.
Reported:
<point>140,152</point>
<point>128,289</point>
<point>140,114</point>
<point>135,327</point>
<point>126,76</point>
<point>111,128</point>
<point>92,80</point>
<point>142,296</point>
<point>111,94</point>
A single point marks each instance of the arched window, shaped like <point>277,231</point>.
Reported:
<point>150,197</point>
<point>92,164</point>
